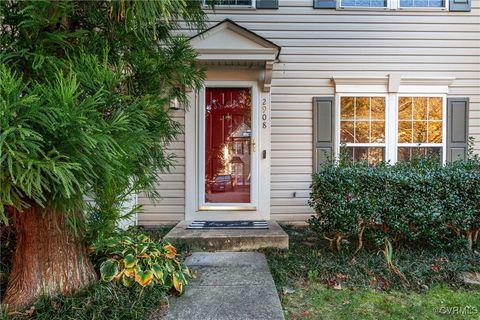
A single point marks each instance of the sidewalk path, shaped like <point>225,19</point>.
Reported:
<point>229,286</point>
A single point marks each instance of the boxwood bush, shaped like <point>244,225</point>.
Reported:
<point>421,201</point>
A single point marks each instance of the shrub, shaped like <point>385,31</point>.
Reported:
<point>420,201</point>
<point>139,260</point>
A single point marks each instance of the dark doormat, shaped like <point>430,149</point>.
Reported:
<point>228,225</point>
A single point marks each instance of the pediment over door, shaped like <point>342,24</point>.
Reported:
<point>230,44</point>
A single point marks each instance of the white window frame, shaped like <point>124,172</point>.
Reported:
<point>391,124</point>
<point>394,5</point>
<point>353,144</point>
<point>342,7</point>
<point>443,145</point>
<point>229,6</point>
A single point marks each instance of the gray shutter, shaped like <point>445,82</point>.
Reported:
<point>457,128</point>
<point>460,5</point>
<point>267,4</point>
<point>323,130</point>
<point>324,4</point>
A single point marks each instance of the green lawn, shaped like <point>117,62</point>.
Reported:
<point>343,285</point>
<point>316,301</point>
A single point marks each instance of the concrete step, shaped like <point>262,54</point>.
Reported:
<point>228,239</point>
<point>229,286</point>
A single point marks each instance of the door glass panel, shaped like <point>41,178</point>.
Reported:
<point>228,145</point>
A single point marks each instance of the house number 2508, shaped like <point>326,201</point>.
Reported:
<point>264,113</point>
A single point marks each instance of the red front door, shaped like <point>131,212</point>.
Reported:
<point>228,145</point>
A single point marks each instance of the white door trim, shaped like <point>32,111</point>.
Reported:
<point>259,208</point>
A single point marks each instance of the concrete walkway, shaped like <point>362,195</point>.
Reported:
<point>229,286</point>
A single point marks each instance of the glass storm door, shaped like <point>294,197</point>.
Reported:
<point>229,142</point>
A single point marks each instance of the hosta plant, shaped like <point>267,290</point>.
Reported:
<point>138,260</point>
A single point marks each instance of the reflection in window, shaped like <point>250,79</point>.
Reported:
<point>228,135</point>
<point>409,153</point>
<point>231,3</point>
<point>362,127</point>
<point>370,154</point>
<point>420,129</point>
<point>364,3</point>
<point>422,3</point>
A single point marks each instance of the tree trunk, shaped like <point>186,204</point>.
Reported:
<point>49,258</point>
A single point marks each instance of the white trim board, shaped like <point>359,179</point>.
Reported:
<point>260,208</point>
<point>392,83</point>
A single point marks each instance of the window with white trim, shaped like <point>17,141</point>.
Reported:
<point>422,4</point>
<point>232,3</point>
<point>391,127</point>
<point>392,4</point>
<point>420,126</point>
<point>364,3</point>
<point>362,127</point>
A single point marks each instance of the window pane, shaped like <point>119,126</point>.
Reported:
<point>378,108</point>
<point>232,2</point>
<point>405,108</point>
<point>347,106</point>
<point>435,132</point>
<point>373,155</point>
<point>408,153</point>
<point>422,3</point>
<point>363,121</point>
<point>362,108</point>
<point>406,3</point>
<point>435,109</point>
<point>419,131</point>
<point>419,108</point>
<point>364,3</point>
<point>404,154</point>
<point>436,3</point>
<point>347,131</point>
<point>350,152</point>
<point>377,134</point>
<point>426,125</point>
<point>362,132</point>
<point>404,131</point>
<point>360,154</point>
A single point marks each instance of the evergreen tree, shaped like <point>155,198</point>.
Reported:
<point>85,88</point>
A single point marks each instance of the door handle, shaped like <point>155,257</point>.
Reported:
<point>254,145</point>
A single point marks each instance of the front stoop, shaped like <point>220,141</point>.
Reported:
<point>229,286</point>
<point>228,239</point>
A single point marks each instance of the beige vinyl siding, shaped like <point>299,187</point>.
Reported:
<point>319,44</point>
<point>171,187</point>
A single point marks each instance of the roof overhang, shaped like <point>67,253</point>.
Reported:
<point>229,44</point>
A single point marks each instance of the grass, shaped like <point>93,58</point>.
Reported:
<point>316,301</point>
<point>344,285</point>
